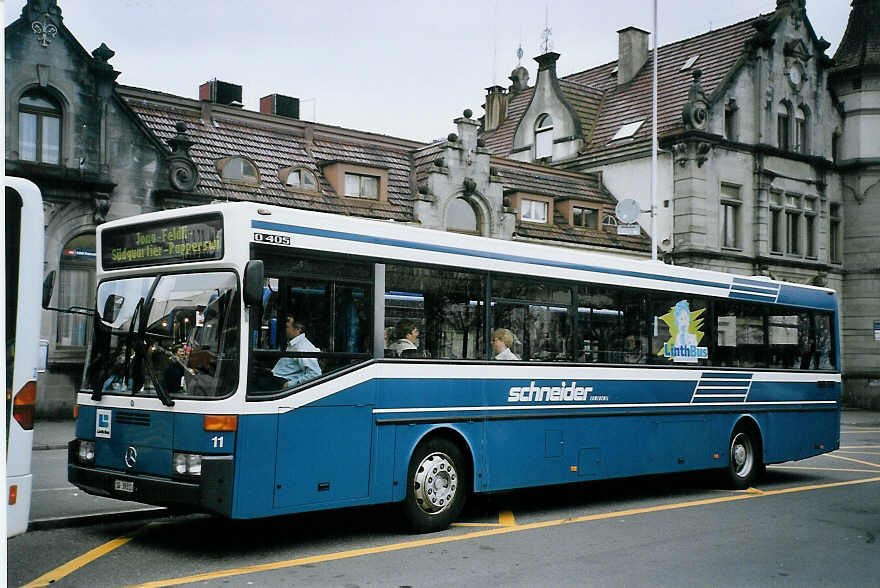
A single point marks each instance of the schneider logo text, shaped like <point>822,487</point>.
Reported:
<point>562,393</point>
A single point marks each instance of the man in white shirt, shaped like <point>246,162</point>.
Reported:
<point>297,370</point>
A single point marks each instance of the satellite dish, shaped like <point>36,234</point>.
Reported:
<point>628,211</point>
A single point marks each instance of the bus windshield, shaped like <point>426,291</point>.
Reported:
<point>173,336</point>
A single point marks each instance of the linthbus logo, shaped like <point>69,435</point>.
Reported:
<point>685,334</point>
<point>562,393</point>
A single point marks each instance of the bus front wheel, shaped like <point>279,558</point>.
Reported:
<point>745,459</point>
<point>436,486</point>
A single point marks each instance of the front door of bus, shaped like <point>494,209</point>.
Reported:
<point>323,455</point>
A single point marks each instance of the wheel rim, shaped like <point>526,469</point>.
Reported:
<point>742,455</point>
<point>434,483</point>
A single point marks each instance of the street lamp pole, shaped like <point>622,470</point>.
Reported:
<point>654,145</point>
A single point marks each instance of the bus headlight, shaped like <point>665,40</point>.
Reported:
<point>187,464</point>
<point>85,452</point>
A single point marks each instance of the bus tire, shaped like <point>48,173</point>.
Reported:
<point>745,464</point>
<point>436,485</point>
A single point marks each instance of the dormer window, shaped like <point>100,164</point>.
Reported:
<point>299,178</point>
<point>361,186</point>
<point>39,127</point>
<point>534,211</point>
<point>238,169</point>
<point>587,218</point>
<point>627,131</point>
<point>689,63</point>
<point>544,137</point>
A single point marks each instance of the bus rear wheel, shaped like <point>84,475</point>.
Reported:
<point>745,463</point>
<point>436,486</point>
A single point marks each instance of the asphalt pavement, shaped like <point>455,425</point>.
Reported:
<point>56,503</point>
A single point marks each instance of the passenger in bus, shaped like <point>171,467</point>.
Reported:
<point>297,370</point>
<point>632,350</point>
<point>406,340</point>
<point>172,377</point>
<point>502,340</point>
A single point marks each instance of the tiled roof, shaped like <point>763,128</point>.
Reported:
<point>596,91</point>
<point>536,179</point>
<point>272,147</point>
<point>272,144</point>
<point>860,46</point>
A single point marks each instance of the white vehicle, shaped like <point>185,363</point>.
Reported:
<point>23,264</point>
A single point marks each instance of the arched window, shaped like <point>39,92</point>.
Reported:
<point>76,287</point>
<point>462,218</point>
<point>544,136</point>
<point>238,169</point>
<point>783,122</point>
<point>299,178</point>
<point>39,127</point>
<point>801,140</point>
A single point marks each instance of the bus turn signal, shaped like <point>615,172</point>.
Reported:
<point>23,405</point>
<point>221,422</point>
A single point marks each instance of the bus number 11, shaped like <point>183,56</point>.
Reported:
<point>218,441</point>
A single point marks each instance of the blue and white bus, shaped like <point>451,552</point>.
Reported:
<point>23,270</point>
<point>253,361</point>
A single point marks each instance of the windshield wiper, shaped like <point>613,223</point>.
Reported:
<point>142,351</point>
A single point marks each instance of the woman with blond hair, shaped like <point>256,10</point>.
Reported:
<point>502,339</point>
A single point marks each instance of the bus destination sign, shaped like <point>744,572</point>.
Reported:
<point>178,240</point>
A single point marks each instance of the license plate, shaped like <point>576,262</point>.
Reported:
<point>123,485</point>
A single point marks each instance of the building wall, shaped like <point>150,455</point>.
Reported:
<point>108,168</point>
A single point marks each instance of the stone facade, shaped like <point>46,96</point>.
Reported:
<point>107,166</point>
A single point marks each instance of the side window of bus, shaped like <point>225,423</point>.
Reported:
<point>740,335</point>
<point>610,326</point>
<point>316,320</point>
<point>679,330</point>
<point>791,339</point>
<point>538,313</point>
<point>432,312</point>
<point>825,358</point>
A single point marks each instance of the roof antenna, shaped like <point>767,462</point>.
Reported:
<point>546,45</point>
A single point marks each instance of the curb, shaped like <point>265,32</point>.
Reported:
<point>93,519</point>
<point>49,446</point>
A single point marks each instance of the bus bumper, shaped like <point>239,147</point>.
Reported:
<point>211,492</point>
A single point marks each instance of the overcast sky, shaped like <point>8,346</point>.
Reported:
<point>399,67</point>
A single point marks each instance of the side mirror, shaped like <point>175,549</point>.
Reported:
<point>253,283</point>
<point>48,286</point>
<point>112,306</point>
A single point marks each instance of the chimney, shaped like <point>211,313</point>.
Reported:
<point>219,92</point>
<point>280,105</point>
<point>632,46</point>
<point>496,107</point>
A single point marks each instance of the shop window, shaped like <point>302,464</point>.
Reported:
<point>76,288</point>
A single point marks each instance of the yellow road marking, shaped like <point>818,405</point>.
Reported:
<point>506,518</point>
<point>485,533</point>
<point>75,564</point>
<point>863,452</point>
<point>782,467</point>
<point>754,491</point>
<point>876,465</point>
<point>477,525</point>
